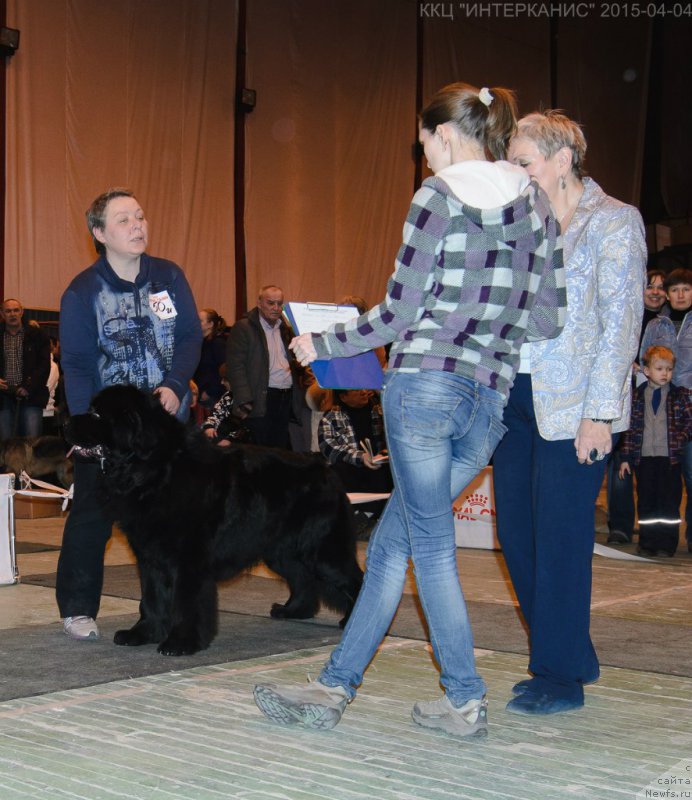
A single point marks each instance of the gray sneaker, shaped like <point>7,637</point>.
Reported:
<point>469,720</point>
<point>81,628</point>
<point>313,706</point>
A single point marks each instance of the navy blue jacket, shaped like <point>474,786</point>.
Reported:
<point>109,333</point>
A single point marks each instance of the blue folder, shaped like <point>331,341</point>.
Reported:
<point>356,372</point>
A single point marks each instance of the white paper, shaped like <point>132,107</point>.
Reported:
<point>319,317</point>
<point>162,305</point>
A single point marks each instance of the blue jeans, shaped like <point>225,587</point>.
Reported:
<point>441,431</point>
<point>19,419</point>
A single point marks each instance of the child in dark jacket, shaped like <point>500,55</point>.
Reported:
<point>660,427</point>
<point>223,425</point>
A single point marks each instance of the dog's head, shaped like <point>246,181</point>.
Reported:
<point>125,422</point>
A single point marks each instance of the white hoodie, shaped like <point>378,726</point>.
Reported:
<point>485,184</point>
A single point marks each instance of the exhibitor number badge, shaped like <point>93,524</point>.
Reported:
<point>162,305</point>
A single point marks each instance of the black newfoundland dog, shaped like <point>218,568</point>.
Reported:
<point>195,514</point>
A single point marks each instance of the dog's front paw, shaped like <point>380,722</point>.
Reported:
<point>278,611</point>
<point>174,646</point>
<point>133,637</point>
<point>290,611</point>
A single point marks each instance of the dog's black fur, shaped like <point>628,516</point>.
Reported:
<point>195,514</point>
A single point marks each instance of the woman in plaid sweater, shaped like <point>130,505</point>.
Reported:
<point>479,271</point>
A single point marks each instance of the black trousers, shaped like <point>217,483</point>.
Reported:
<point>362,479</point>
<point>659,493</point>
<point>620,496</point>
<point>271,430</point>
<point>79,581</point>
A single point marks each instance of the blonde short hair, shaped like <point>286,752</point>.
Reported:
<point>551,130</point>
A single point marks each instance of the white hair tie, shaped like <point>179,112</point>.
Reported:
<point>485,97</point>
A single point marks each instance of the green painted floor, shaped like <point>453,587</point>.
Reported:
<point>196,734</point>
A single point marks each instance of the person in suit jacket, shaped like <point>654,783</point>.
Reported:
<point>262,373</point>
<point>571,395</point>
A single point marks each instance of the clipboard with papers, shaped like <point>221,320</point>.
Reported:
<point>362,371</point>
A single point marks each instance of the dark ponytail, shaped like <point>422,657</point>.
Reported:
<point>217,321</point>
<point>488,116</point>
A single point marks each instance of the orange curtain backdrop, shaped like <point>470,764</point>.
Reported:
<point>329,162</point>
<point>603,79</point>
<point>141,93</point>
<point>137,94</point>
<point>514,53</point>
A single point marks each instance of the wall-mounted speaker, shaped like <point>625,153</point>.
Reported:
<point>248,99</point>
<point>9,41</point>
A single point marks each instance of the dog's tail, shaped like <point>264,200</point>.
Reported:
<point>340,592</point>
<point>340,575</point>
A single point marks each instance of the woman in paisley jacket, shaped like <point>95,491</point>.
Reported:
<point>571,395</point>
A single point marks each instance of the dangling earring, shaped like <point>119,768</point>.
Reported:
<point>563,183</point>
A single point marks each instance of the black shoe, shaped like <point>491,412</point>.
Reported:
<point>529,702</point>
<point>664,554</point>
<point>528,685</point>
<point>618,537</point>
<point>646,551</point>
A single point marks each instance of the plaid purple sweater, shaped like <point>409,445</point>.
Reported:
<point>468,287</point>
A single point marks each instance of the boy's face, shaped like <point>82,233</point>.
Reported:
<point>659,372</point>
<point>680,296</point>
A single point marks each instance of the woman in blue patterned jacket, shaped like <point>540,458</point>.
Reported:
<point>129,318</point>
<point>571,394</point>
<point>478,271</point>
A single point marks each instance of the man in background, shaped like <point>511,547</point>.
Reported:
<point>24,370</point>
<point>262,377</point>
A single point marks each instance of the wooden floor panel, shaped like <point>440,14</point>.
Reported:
<point>196,734</point>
